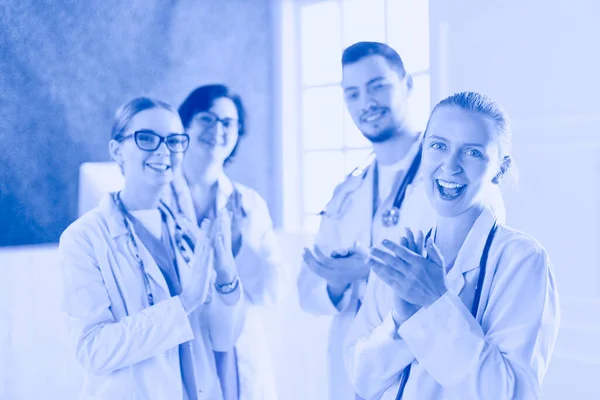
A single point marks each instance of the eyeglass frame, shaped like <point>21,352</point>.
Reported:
<point>218,119</point>
<point>161,139</point>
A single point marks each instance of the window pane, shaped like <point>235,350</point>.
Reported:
<point>363,20</point>
<point>420,102</point>
<point>322,123</point>
<point>356,157</point>
<point>323,170</point>
<point>408,32</point>
<point>320,26</point>
<point>352,136</point>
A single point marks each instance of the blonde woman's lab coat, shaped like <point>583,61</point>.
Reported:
<point>128,349</point>
<point>261,269</point>
<point>346,219</point>
<point>503,354</point>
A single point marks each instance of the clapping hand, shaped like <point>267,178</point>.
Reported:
<point>341,267</point>
<point>415,278</point>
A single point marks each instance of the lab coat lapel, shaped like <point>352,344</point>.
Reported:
<point>152,268</point>
<point>469,256</point>
<point>358,210</point>
<point>347,217</point>
<point>118,231</point>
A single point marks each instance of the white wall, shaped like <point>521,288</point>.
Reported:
<point>538,58</point>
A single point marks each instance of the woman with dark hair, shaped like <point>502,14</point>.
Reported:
<point>143,294</point>
<point>214,118</point>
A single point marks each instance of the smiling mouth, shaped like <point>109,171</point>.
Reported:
<point>212,142</point>
<point>373,116</point>
<point>449,190</point>
<point>158,167</point>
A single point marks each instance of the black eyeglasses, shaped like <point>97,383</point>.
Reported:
<point>149,140</point>
<point>209,119</point>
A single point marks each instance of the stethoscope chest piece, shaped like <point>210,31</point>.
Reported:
<point>390,217</point>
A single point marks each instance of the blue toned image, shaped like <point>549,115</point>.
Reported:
<point>299,199</point>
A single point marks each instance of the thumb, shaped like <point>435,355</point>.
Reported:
<point>434,253</point>
<point>220,249</point>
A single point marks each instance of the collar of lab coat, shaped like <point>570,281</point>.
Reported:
<point>116,228</point>
<point>114,218</point>
<point>184,203</point>
<point>469,255</point>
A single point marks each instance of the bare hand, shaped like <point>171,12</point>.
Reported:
<point>340,268</point>
<point>414,278</point>
<point>196,291</point>
<point>224,261</point>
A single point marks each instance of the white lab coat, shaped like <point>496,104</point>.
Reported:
<point>503,354</point>
<point>261,269</point>
<point>128,349</point>
<point>346,219</point>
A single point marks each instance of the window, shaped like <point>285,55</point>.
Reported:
<point>330,144</point>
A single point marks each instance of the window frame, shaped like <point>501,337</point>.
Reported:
<point>290,122</point>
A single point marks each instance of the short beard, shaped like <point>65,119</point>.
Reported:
<point>382,136</point>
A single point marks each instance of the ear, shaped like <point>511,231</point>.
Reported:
<point>504,166</point>
<point>114,148</point>
<point>409,83</point>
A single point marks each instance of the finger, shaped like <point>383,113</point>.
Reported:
<point>389,275</point>
<point>310,259</point>
<point>388,259</point>
<point>403,253</point>
<point>411,240</point>
<point>215,226</point>
<point>219,244</point>
<point>202,243</point>
<point>315,266</point>
<point>225,221</point>
<point>420,242</point>
<point>404,241</point>
<point>394,247</point>
<point>434,253</point>
<point>340,253</point>
<point>320,255</point>
<point>205,225</point>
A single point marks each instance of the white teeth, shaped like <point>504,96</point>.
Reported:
<point>160,167</point>
<point>373,117</point>
<point>449,185</point>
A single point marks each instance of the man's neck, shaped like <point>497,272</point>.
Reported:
<point>395,149</point>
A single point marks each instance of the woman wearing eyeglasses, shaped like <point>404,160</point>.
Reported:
<point>214,119</point>
<point>143,294</point>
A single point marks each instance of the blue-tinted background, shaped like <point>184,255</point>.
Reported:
<point>65,66</point>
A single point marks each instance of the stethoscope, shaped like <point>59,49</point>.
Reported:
<point>476,297</point>
<point>180,237</point>
<point>390,217</point>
